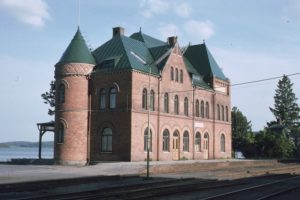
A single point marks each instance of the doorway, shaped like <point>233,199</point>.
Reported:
<point>206,145</point>
<point>175,148</point>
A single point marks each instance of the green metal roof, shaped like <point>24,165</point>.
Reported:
<point>77,51</point>
<point>127,54</point>
<point>193,74</point>
<point>202,60</point>
<point>149,41</point>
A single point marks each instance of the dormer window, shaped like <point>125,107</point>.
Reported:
<point>108,63</point>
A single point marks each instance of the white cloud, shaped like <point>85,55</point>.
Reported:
<point>152,7</point>
<point>167,30</point>
<point>199,30</point>
<point>32,12</point>
<point>183,9</point>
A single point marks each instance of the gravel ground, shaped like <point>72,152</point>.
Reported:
<point>24,173</point>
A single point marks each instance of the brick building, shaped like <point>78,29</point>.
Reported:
<point>104,96</point>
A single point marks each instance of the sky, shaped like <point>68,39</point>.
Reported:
<point>250,40</point>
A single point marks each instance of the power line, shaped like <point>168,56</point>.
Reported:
<point>262,80</point>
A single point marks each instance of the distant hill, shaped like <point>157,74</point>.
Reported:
<point>46,144</point>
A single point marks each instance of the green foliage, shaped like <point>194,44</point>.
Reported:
<point>49,98</point>
<point>242,136</point>
<point>286,109</point>
<point>273,145</point>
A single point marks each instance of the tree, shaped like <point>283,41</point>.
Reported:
<point>286,110</point>
<point>242,136</point>
<point>271,144</point>
<point>49,98</point>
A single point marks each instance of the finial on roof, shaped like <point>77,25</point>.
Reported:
<point>203,41</point>
<point>78,14</point>
<point>140,29</point>
<point>189,43</point>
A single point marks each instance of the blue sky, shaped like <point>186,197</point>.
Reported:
<point>250,40</point>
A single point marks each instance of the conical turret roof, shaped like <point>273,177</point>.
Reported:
<point>77,51</point>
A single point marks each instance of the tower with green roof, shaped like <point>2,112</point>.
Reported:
<point>72,102</point>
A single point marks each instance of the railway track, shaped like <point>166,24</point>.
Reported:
<point>263,187</point>
<point>263,191</point>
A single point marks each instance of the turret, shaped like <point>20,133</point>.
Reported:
<point>72,102</point>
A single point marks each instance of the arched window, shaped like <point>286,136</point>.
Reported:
<point>181,76</point>
<point>176,75</point>
<point>60,133</point>
<point>144,100</point>
<point>227,114</point>
<point>186,106</point>
<point>112,97</point>
<point>166,103</point>
<point>166,140</point>
<point>222,113</point>
<point>185,141</point>
<point>152,100</point>
<point>198,142</point>
<point>172,74</point>
<point>102,98</point>
<point>176,105</point>
<point>147,141</point>
<point>207,110</point>
<point>222,145</point>
<point>197,108</point>
<point>106,140</point>
<point>61,93</point>
<point>202,109</point>
<point>218,110</point>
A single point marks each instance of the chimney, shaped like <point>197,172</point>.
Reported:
<point>172,40</point>
<point>118,31</point>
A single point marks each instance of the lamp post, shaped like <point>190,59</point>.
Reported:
<point>148,135</point>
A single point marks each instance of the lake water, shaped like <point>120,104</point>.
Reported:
<point>24,152</point>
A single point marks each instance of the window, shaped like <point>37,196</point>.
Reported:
<point>222,113</point>
<point>102,99</point>
<point>147,141</point>
<point>227,114</point>
<point>172,74</point>
<point>112,97</point>
<point>181,76</point>
<point>108,64</point>
<point>218,110</point>
<point>152,100</point>
<point>60,133</point>
<point>186,106</point>
<point>222,145</point>
<point>198,142</point>
<point>202,109</point>
<point>176,105</point>
<point>166,103</point>
<point>176,75</point>
<point>144,100</point>
<point>61,93</point>
<point>106,140</point>
<point>185,141</point>
<point>197,108</point>
<point>166,140</point>
<point>207,110</point>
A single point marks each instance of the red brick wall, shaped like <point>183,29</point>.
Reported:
<point>73,113</point>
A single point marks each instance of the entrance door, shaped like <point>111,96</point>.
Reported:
<point>175,149</point>
<point>205,145</point>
